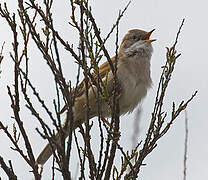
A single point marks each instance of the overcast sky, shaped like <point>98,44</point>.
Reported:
<point>166,162</point>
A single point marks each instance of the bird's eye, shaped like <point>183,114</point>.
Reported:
<point>134,37</point>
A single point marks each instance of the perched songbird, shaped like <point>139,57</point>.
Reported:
<point>133,72</point>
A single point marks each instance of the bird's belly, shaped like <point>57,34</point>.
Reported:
<point>132,93</point>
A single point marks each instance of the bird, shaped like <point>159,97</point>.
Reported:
<point>134,79</point>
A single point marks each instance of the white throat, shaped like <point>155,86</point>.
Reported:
<point>140,48</point>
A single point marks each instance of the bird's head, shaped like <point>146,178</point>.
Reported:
<point>132,37</point>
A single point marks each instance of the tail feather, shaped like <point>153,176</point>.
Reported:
<point>47,151</point>
<point>44,155</point>
<point>79,112</point>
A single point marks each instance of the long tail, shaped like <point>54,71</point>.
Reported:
<point>79,117</point>
<point>47,152</point>
<point>44,155</point>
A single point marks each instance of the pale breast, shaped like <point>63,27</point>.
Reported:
<point>135,79</point>
<point>132,93</point>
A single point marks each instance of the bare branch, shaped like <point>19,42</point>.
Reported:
<point>8,170</point>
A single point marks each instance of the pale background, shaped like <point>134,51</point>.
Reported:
<point>166,162</point>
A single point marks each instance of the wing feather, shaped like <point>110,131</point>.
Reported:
<point>103,70</point>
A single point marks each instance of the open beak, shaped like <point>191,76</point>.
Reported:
<point>150,40</point>
<point>147,36</point>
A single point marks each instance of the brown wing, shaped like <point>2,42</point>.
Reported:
<point>103,69</point>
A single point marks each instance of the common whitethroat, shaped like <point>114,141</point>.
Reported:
<point>133,73</point>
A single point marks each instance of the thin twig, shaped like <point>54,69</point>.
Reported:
<point>8,170</point>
